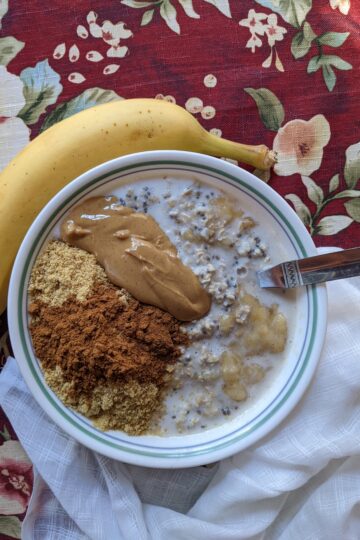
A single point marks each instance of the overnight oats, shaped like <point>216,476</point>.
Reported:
<point>145,313</point>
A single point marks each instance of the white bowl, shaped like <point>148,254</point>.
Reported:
<point>292,241</point>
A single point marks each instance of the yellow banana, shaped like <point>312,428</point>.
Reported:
<point>87,139</point>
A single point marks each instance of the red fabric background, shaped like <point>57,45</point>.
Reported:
<point>160,61</point>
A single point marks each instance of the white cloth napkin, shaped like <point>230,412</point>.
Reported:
<point>300,482</point>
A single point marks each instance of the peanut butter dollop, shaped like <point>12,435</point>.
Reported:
<point>136,255</point>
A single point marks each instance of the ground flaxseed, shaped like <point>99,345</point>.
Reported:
<point>129,406</point>
<point>109,358</point>
<point>62,271</point>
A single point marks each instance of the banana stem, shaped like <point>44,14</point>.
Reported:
<point>259,156</point>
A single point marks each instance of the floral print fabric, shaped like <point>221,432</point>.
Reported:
<point>279,72</point>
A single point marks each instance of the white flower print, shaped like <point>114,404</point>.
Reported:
<point>111,34</point>
<point>82,32</point>
<point>110,69</point>
<point>59,51</point>
<point>76,78</point>
<point>94,56</point>
<point>273,31</point>
<point>117,51</point>
<point>14,133</point>
<point>74,53</point>
<point>253,22</point>
<point>194,105</point>
<point>216,131</point>
<point>170,99</point>
<point>210,81</point>
<point>95,30</point>
<point>254,42</point>
<point>342,5</point>
<point>91,17</point>
<point>208,112</point>
<point>270,28</point>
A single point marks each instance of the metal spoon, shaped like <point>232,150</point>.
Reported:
<point>338,265</point>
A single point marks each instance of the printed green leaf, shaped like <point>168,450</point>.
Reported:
<point>89,98</point>
<point>353,209</point>
<point>329,77</point>
<point>222,5</point>
<point>9,48</point>
<point>292,11</point>
<point>299,45</point>
<point>147,17</point>
<point>326,61</point>
<point>10,526</point>
<point>189,9</point>
<point>300,208</point>
<point>314,192</point>
<point>5,433</point>
<point>4,6</point>
<point>301,42</point>
<point>334,183</point>
<point>138,5</point>
<point>336,61</point>
<point>314,64</point>
<point>269,106</point>
<point>308,32</point>
<point>41,88</point>
<point>352,165</point>
<point>347,193</point>
<point>333,39</point>
<point>168,13</point>
<point>332,225</point>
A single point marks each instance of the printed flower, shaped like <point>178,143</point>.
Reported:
<point>14,134</point>
<point>117,51</point>
<point>278,63</point>
<point>111,34</point>
<point>16,478</point>
<point>253,22</point>
<point>342,5</point>
<point>299,146</point>
<point>168,98</point>
<point>95,29</point>
<point>254,42</point>
<point>273,31</point>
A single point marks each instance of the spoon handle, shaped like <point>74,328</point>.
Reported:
<point>338,265</point>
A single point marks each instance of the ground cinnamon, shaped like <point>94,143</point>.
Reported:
<point>104,338</point>
<point>106,341</point>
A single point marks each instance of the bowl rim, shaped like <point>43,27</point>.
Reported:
<point>203,453</point>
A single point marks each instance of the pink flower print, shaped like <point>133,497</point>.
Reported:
<point>16,478</point>
<point>300,146</point>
